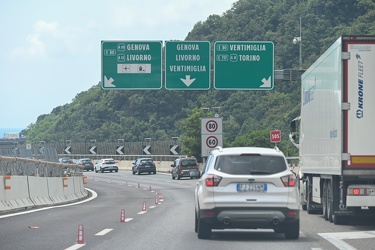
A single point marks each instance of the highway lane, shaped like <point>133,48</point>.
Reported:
<point>167,225</point>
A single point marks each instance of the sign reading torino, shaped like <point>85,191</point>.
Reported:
<point>244,65</point>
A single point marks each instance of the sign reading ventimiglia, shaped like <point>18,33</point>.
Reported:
<point>187,65</point>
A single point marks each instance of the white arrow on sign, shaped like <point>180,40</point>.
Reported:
<point>187,81</point>
<point>67,150</point>
<point>174,149</point>
<point>145,150</point>
<point>119,150</point>
<point>108,82</point>
<point>266,82</point>
<point>93,150</point>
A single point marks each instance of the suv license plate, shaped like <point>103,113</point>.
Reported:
<point>249,187</point>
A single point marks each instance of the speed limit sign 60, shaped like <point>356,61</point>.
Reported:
<point>212,141</point>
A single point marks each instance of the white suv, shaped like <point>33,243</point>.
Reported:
<point>247,188</point>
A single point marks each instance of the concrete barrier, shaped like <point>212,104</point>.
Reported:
<point>56,190</point>
<point>68,184</point>
<point>17,192</point>
<point>29,183</point>
<point>79,188</point>
<point>4,205</point>
<point>38,190</point>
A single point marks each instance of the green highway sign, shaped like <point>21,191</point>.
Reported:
<point>131,64</point>
<point>244,65</point>
<point>187,65</point>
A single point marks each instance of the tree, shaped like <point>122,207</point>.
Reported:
<point>191,133</point>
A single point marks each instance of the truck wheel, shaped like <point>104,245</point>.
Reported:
<point>292,231</point>
<point>330,213</point>
<point>308,196</point>
<point>325,200</point>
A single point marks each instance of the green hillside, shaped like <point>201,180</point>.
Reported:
<point>248,116</point>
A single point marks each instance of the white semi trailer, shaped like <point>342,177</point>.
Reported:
<point>335,132</point>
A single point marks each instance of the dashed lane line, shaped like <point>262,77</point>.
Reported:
<point>104,232</point>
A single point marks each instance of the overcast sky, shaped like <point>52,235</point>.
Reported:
<point>50,50</point>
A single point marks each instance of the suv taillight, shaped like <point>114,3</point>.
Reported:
<point>289,180</point>
<point>212,180</point>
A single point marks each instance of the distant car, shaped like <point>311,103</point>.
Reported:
<point>185,167</point>
<point>107,164</point>
<point>66,160</point>
<point>247,188</point>
<point>86,163</point>
<point>143,165</point>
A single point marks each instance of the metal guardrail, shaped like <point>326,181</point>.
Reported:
<point>33,167</point>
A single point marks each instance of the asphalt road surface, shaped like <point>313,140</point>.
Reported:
<point>153,212</point>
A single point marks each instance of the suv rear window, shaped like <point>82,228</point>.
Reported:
<point>250,164</point>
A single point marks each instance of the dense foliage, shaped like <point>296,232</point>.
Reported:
<point>248,116</point>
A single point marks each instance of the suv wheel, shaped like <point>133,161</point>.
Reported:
<point>292,230</point>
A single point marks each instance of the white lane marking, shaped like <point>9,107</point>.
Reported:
<point>104,232</point>
<point>128,219</point>
<point>74,247</point>
<point>336,239</point>
<point>94,195</point>
<point>142,212</point>
<point>152,206</point>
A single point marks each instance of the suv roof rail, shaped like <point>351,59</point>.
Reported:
<point>220,148</point>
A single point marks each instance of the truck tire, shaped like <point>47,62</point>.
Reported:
<point>325,200</point>
<point>330,213</point>
<point>308,196</point>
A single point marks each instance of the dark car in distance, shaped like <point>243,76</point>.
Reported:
<point>86,163</point>
<point>66,160</point>
<point>185,167</point>
<point>143,165</point>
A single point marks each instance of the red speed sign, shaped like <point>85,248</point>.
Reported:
<point>275,136</point>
